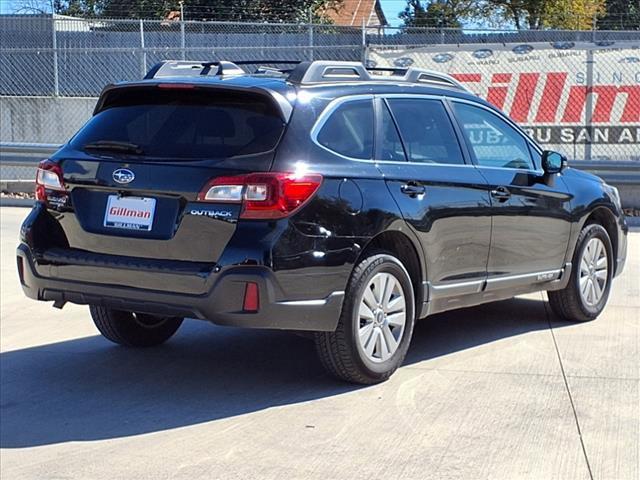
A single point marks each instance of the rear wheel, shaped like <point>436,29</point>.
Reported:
<point>586,294</point>
<point>376,323</point>
<point>134,329</point>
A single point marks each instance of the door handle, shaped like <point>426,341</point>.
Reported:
<point>502,194</point>
<point>412,189</point>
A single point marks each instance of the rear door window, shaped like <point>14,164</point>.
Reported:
<point>390,144</point>
<point>426,131</point>
<point>349,130</point>
<point>184,123</point>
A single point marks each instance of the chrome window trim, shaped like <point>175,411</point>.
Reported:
<point>335,103</point>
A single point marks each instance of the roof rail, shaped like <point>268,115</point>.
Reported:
<point>306,72</point>
<point>419,75</point>
<point>322,71</point>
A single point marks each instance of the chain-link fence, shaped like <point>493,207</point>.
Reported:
<point>575,91</point>
<point>77,57</point>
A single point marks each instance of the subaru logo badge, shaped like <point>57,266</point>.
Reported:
<point>403,62</point>
<point>563,45</point>
<point>482,53</point>
<point>123,175</point>
<point>522,49</point>
<point>442,58</point>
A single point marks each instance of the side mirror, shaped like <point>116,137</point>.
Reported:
<point>553,162</point>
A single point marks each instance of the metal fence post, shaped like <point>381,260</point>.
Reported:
<point>310,20</point>
<point>364,43</point>
<point>182,39</point>
<point>311,47</point>
<point>143,52</point>
<point>589,105</point>
<point>54,44</point>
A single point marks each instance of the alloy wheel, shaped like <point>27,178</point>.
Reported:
<point>593,272</point>
<point>382,317</point>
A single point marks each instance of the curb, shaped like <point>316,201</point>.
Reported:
<point>16,202</point>
<point>17,186</point>
<point>633,221</point>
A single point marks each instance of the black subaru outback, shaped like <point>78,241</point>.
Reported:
<point>322,197</point>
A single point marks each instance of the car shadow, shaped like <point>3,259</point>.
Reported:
<point>88,389</point>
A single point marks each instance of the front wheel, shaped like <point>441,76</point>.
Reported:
<point>375,325</point>
<point>586,294</point>
<point>133,329</point>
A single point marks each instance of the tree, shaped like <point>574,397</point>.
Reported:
<point>621,15</point>
<point>537,14</point>
<point>572,14</point>
<point>33,7</point>
<point>232,10</point>
<point>437,13</point>
<point>523,13</point>
<point>78,8</point>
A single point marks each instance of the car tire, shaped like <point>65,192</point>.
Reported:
<point>133,329</point>
<point>376,323</point>
<point>586,294</point>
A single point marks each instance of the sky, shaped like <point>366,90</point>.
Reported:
<point>391,8</point>
<point>8,6</point>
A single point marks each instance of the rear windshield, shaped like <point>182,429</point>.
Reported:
<point>182,123</point>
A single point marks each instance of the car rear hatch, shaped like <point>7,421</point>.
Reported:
<point>134,177</point>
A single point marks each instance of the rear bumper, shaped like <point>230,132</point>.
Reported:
<point>221,304</point>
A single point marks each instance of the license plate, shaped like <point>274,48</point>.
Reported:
<point>132,213</point>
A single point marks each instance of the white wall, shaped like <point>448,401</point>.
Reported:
<point>43,119</point>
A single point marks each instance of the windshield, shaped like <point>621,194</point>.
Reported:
<point>182,123</point>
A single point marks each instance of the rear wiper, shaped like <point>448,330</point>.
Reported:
<point>114,146</point>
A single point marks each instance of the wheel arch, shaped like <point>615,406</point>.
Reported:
<point>606,218</point>
<point>404,248</point>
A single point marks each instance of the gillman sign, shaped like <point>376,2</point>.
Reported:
<point>580,98</point>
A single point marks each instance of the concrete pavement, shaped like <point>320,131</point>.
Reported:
<point>499,391</point>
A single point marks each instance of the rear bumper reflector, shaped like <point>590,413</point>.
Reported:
<point>251,297</point>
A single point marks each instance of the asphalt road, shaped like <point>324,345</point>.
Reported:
<point>502,391</point>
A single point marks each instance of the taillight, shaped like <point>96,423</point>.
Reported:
<point>263,195</point>
<point>48,177</point>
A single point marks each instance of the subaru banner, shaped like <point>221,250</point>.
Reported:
<point>582,99</point>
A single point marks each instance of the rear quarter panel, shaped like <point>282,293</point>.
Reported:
<point>326,237</point>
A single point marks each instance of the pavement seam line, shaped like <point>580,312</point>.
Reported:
<point>566,384</point>
<point>530,374</point>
